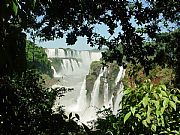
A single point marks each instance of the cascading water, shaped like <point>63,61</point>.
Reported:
<point>55,73</point>
<point>117,104</point>
<point>73,61</point>
<point>106,103</point>
<point>119,76</point>
<point>95,91</point>
<point>119,93</point>
<point>81,101</point>
<point>74,68</point>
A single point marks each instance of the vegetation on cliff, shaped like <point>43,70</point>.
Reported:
<point>37,59</point>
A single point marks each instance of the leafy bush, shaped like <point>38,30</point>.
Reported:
<point>146,109</point>
<point>26,108</point>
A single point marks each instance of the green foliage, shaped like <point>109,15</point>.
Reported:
<point>145,109</point>
<point>37,59</point>
<point>26,108</point>
<point>95,68</point>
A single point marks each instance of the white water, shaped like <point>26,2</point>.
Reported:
<point>119,94</point>
<point>119,76</point>
<point>95,91</point>
<point>81,101</point>
<point>106,103</point>
<point>117,104</point>
<point>74,68</point>
<point>73,61</point>
<point>55,73</point>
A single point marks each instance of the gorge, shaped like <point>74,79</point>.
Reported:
<point>94,86</point>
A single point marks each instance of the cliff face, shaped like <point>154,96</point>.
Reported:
<point>109,82</point>
<point>94,71</point>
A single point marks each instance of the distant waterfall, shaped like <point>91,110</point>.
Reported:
<point>119,93</point>
<point>71,61</point>
<point>95,91</point>
<point>106,103</point>
<point>81,101</point>
<point>55,73</point>
<point>117,104</point>
<point>119,76</point>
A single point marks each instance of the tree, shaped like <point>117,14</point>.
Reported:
<point>52,19</point>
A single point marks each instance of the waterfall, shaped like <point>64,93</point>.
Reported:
<point>95,91</point>
<point>81,101</point>
<point>72,61</point>
<point>119,76</point>
<point>106,104</point>
<point>119,96</point>
<point>55,73</point>
<point>74,66</point>
<point>119,93</point>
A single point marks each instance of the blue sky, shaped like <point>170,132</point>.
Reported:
<point>81,43</point>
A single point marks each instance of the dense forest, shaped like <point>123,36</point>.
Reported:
<point>148,43</point>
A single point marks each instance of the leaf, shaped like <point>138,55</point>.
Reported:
<point>145,101</point>
<point>144,123</point>
<point>127,91</point>
<point>172,104</point>
<point>138,116</point>
<point>158,113</point>
<point>133,109</point>
<point>162,110</point>
<point>14,8</point>
<point>70,115</point>
<point>162,120</point>
<point>77,116</point>
<point>148,114</point>
<point>164,93</point>
<point>175,98</point>
<point>127,116</point>
<point>163,87</point>
<point>153,127</point>
<point>165,102</point>
<point>151,86</point>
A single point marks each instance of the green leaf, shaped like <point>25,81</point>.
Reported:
<point>127,91</point>
<point>133,109</point>
<point>162,110</point>
<point>138,116</point>
<point>14,8</point>
<point>162,120</point>
<point>153,127</point>
<point>163,87</point>
<point>145,101</point>
<point>158,113</point>
<point>164,93</point>
<point>149,110</point>
<point>127,116</point>
<point>144,123</point>
<point>165,102</point>
<point>172,104</point>
<point>175,98</point>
